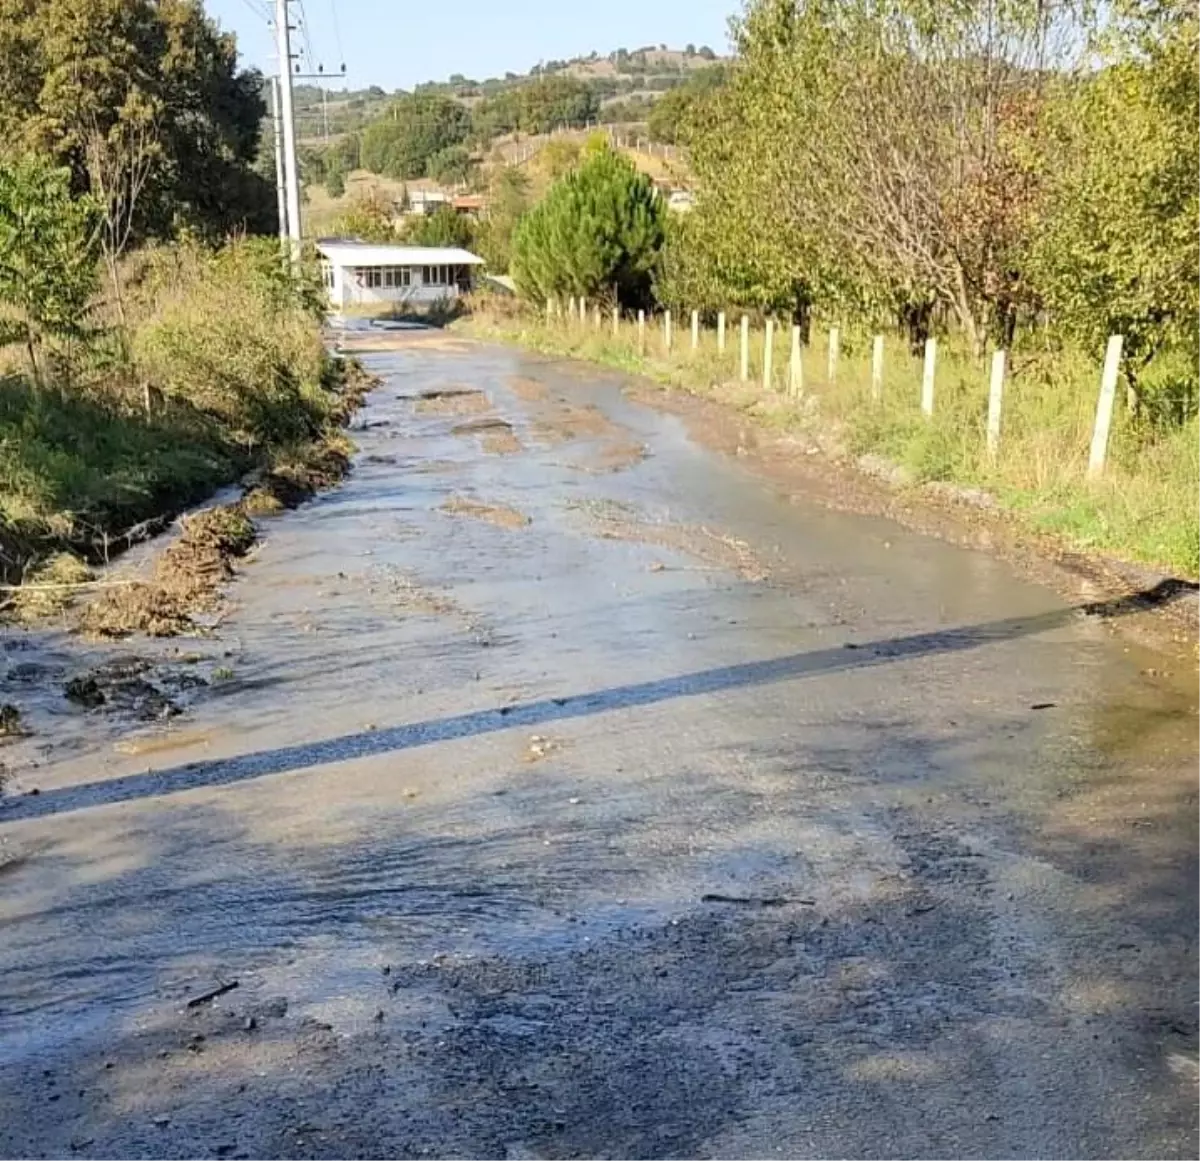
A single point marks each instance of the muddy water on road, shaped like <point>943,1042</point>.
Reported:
<point>560,790</point>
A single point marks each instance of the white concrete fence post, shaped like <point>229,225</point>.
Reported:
<point>583,312</point>
<point>616,320</point>
<point>768,351</point>
<point>745,348</point>
<point>641,332</point>
<point>695,329</point>
<point>927,374</point>
<point>720,332</point>
<point>1104,407</point>
<point>877,369</point>
<point>995,401</point>
<point>795,367</point>
<point>667,331</point>
<point>597,316</point>
<point>835,346</point>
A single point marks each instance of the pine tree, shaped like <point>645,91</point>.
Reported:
<point>598,233</point>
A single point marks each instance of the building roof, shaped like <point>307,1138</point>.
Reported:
<point>343,253</point>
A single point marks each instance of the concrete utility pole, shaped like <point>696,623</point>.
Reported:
<point>280,181</point>
<point>290,170</point>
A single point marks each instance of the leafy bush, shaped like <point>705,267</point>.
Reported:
<point>235,337</point>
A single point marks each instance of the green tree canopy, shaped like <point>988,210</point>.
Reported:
<point>535,107</point>
<point>444,227</point>
<point>671,113</point>
<point>597,232</point>
<point>508,201</point>
<point>450,166</point>
<point>48,252</point>
<point>1115,249</point>
<point>416,127</point>
<point>88,81</point>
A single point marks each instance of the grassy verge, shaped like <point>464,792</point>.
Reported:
<point>1143,509</point>
<point>228,353</point>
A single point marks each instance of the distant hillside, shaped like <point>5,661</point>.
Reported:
<point>625,84</point>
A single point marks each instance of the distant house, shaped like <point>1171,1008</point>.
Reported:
<point>365,274</point>
<point>425,201</point>
<point>473,204</point>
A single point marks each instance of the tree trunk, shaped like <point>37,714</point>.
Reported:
<point>31,348</point>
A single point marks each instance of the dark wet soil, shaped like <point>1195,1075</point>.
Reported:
<point>682,817</point>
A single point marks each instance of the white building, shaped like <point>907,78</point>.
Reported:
<point>365,274</point>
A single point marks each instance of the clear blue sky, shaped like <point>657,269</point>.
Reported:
<point>397,43</point>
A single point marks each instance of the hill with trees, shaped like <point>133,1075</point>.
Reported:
<point>407,135</point>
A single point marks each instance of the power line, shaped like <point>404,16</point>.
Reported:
<point>308,48</point>
<point>259,8</point>
<point>337,34</point>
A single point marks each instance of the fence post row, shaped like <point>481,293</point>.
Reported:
<point>995,400</point>
<point>927,376</point>
<point>768,345</point>
<point>1104,407</point>
<point>795,368</point>
<point>745,348</point>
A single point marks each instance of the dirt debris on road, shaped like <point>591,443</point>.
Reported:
<point>499,514</point>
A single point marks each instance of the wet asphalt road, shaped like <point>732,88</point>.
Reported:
<point>563,791</point>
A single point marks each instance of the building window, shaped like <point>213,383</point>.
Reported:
<point>403,276</point>
<point>435,275</point>
<point>389,277</point>
<point>327,275</point>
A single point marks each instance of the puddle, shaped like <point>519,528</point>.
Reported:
<point>499,514</point>
<point>453,402</point>
<point>583,825</point>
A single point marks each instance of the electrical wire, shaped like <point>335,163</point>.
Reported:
<point>337,34</point>
<point>313,64</point>
<point>259,8</point>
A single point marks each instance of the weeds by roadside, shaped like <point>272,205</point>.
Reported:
<point>1144,508</point>
<point>225,348</point>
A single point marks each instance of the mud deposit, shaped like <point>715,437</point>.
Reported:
<point>516,809</point>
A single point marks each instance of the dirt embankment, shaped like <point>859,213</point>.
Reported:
<point>188,574</point>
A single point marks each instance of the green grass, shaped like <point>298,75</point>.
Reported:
<point>240,377</point>
<point>1144,507</point>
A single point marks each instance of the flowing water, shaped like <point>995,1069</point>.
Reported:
<point>555,788</point>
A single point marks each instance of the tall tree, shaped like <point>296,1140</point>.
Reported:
<point>597,232</point>
<point>875,156</point>
<point>84,80</point>
<point>418,126</point>
<point>1115,249</point>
